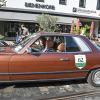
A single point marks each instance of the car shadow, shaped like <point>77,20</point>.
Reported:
<point>53,83</point>
<point>41,84</point>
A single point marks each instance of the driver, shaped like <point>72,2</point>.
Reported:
<point>49,45</point>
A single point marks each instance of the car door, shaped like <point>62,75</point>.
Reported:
<point>39,65</point>
<point>4,63</point>
<point>43,66</point>
<point>81,57</point>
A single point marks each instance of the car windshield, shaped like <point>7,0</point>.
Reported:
<point>23,43</point>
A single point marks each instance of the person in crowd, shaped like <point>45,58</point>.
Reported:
<point>25,31</point>
<point>18,35</point>
<point>17,38</point>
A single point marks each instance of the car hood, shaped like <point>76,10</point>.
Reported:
<point>6,50</point>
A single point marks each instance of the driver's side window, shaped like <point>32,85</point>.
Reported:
<point>47,44</point>
<point>38,45</point>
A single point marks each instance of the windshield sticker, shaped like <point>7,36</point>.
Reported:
<point>80,61</point>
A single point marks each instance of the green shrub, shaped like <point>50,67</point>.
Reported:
<point>47,22</point>
<point>1,37</point>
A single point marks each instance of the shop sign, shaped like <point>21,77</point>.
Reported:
<point>39,6</point>
<point>3,3</point>
<point>80,10</point>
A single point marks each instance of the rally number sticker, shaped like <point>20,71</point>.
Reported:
<point>80,61</point>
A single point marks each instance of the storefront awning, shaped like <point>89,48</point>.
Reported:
<point>30,17</point>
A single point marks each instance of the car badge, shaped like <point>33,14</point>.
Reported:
<point>80,61</point>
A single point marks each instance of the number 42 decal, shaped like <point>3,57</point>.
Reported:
<point>80,61</point>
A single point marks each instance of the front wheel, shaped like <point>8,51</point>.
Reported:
<point>94,78</point>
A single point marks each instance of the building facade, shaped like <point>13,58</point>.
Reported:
<point>15,12</point>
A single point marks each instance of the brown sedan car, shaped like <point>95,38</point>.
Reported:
<point>51,56</point>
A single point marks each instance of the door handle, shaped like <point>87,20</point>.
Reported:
<point>64,59</point>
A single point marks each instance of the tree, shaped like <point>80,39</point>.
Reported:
<point>47,22</point>
<point>85,30</point>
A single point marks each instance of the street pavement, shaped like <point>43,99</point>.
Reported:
<point>43,91</point>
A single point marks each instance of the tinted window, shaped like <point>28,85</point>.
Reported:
<point>40,0</point>
<point>47,44</point>
<point>82,45</point>
<point>71,45</point>
<point>63,2</point>
<point>82,3</point>
<point>98,4</point>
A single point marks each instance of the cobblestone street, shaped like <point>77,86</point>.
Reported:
<point>42,91</point>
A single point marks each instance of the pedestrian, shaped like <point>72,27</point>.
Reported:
<point>25,31</point>
<point>17,38</point>
<point>18,35</point>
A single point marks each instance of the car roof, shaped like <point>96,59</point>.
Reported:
<point>55,34</point>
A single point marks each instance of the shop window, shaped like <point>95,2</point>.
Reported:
<point>62,2</point>
<point>63,28</point>
<point>98,4</point>
<point>40,0</point>
<point>82,3</point>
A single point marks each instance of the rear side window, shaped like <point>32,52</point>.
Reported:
<point>76,44</point>
<point>81,44</point>
<point>71,45</point>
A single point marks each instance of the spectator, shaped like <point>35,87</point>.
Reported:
<point>25,31</point>
<point>18,35</point>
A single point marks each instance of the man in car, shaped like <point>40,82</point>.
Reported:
<point>49,45</point>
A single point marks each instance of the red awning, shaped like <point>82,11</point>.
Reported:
<point>72,27</point>
<point>91,28</point>
<point>78,24</point>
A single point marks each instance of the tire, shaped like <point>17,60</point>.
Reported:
<point>94,78</point>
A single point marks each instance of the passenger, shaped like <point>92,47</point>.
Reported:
<point>43,42</point>
<point>61,47</point>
